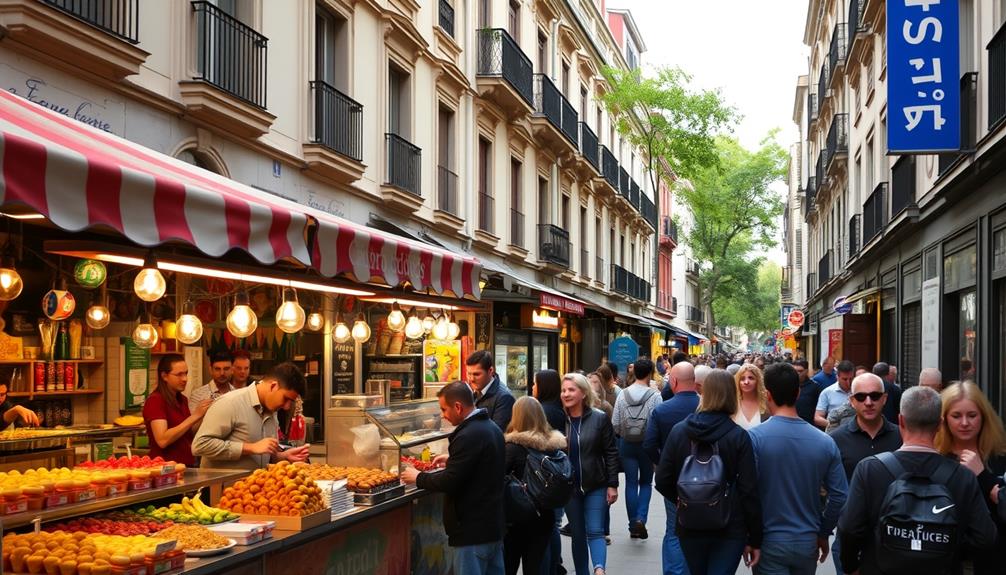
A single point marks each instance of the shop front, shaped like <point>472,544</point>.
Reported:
<point>526,341</point>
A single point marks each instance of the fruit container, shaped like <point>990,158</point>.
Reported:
<point>139,480</point>
<point>36,503</point>
<point>16,505</point>
<point>162,480</point>
<point>57,499</point>
<point>117,487</point>
<point>100,485</point>
<point>160,564</point>
<point>132,569</point>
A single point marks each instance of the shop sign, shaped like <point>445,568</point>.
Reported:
<point>795,319</point>
<point>559,303</point>
<point>36,89</point>
<point>784,313</point>
<point>342,367</point>
<point>923,78</point>
<point>135,366</point>
<point>835,343</point>
<point>931,322</point>
<point>622,351</point>
<point>541,319</point>
<point>841,306</point>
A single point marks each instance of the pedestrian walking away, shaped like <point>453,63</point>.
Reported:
<point>632,413</point>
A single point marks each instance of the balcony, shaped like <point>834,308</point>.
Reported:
<point>99,36</point>
<point>589,152</point>
<point>903,186</point>
<point>648,210</point>
<point>969,121</point>
<point>811,285</point>
<point>624,185</point>
<point>824,268</point>
<point>812,105</point>
<point>634,194</point>
<point>674,305</point>
<point>837,143</point>
<point>821,173</point>
<point>692,267</point>
<point>694,314</point>
<point>570,123</point>
<point>855,230</point>
<point>229,87</point>
<point>546,122</point>
<point>504,72</point>
<point>823,83</point>
<point>517,229</point>
<point>997,77</point>
<point>855,24</point>
<point>447,17</point>
<point>665,301</point>
<point>875,213</point>
<point>402,180</point>
<point>609,168</point>
<point>837,52</point>
<point>599,271</point>
<point>810,196</point>
<point>336,147</point>
<point>629,284</point>
<point>668,233</point>
<point>553,246</point>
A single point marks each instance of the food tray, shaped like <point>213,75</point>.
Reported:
<point>210,552</point>
<point>378,489</point>
<point>379,496</point>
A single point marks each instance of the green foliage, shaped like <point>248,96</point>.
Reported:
<point>751,302</point>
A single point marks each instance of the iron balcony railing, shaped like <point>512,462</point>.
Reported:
<point>824,268</point>
<point>553,244</point>
<point>875,213</point>
<point>997,77</point>
<point>823,81</point>
<point>623,184</point>
<point>855,225</point>
<point>500,55</point>
<point>692,267</point>
<point>625,282</point>
<point>902,184</point>
<point>599,270</point>
<point>338,121</point>
<point>837,52</point>
<point>447,190</point>
<point>811,193</point>
<point>969,123</point>
<point>447,17</point>
<point>588,146</point>
<point>547,100</point>
<point>584,263</point>
<point>570,119</point>
<point>812,105</point>
<point>838,138</point>
<point>404,164</point>
<point>609,167</point>
<point>648,210</point>
<point>634,194</point>
<point>694,314</point>
<point>820,171</point>
<point>670,229</point>
<point>811,284</point>
<point>486,210</point>
<point>855,21</point>
<point>516,227</point>
<point>229,54</point>
<point>119,18</point>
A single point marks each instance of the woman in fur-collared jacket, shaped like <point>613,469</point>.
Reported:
<point>526,541</point>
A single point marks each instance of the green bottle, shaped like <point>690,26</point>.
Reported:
<point>62,350</point>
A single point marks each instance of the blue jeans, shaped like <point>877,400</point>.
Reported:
<point>481,559</point>
<point>712,555</point>
<point>790,558</point>
<point>638,480</point>
<point>586,519</point>
<point>673,558</point>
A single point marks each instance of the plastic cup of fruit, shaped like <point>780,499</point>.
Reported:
<point>100,483</point>
<point>36,497</point>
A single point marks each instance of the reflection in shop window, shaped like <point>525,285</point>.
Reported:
<point>999,251</point>
<point>968,325</point>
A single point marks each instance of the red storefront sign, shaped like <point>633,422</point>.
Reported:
<point>559,303</point>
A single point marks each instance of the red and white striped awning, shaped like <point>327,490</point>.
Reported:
<point>80,177</point>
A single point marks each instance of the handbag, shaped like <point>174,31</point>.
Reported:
<point>517,503</point>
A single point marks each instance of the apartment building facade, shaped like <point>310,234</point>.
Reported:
<point>914,245</point>
<point>476,126</point>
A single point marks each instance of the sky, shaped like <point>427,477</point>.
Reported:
<point>751,51</point>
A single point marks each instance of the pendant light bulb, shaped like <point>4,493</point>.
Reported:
<point>10,281</point>
<point>290,316</point>
<point>440,329</point>
<point>242,321</point>
<point>97,316</point>
<point>145,335</point>
<point>453,330</point>
<point>428,322</point>
<point>341,333</point>
<point>414,326</point>
<point>361,331</point>
<point>315,321</point>
<point>396,319</point>
<point>149,284</point>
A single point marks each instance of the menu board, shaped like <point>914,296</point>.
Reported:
<point>342,367</point>
<point>134,364</point>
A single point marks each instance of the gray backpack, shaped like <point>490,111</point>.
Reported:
<point>634,426</point>
<point>703,492</point>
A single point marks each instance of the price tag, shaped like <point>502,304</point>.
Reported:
<point>20,506</point>
<point>86,495</point>
<point>113,489</point>
<point>37,524</point>
<point>57,499</point>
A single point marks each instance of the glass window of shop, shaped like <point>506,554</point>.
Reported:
<point>512,355</point>
<point>960,322</point>
<point>999,309</point>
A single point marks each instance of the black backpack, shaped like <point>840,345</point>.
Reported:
<point>703,491</point>
<point>547,485</point>
<point>918,530</point>
<point>635,425</point>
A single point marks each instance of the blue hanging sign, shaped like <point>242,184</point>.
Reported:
<point>923,76</point>
<point>622,351</point>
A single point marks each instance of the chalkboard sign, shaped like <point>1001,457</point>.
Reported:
<point>342,367</point>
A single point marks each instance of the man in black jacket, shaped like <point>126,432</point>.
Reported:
<point>490,393</point>
<point>919,421</point>
<point>472,482</point>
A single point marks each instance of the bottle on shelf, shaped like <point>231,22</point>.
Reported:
<point>298,425</point>
<point>62,350</point>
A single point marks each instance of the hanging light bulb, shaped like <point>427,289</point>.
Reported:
<point>315,321</point>
<point>361,331</point>
<point>97,316</point>
<point>440,329</point>
<point>242,321</point>
<point>188,327</point>
<point>396,319</point>
<point>453,330</point>
<point>149,284</point>
<point>290,316</point>
<point>10,281</point>
<point>428,322</point>
<point>341,333</point>
<point>413,326</point>
<point>145,335</point>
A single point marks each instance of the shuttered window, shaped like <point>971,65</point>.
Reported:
<point>911,348</point>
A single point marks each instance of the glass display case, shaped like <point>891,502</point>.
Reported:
<point>364,433</point>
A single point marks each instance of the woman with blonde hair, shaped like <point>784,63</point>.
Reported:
<point>973,434</point>
<point>526,542</point>
<point>594,458</point>
<point>751,403</point>
<point>597,384</point>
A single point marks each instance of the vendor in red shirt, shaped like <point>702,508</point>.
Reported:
<point>170,425</point>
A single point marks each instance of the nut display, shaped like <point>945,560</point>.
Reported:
<point>193,537</point>
<point>280,489</point>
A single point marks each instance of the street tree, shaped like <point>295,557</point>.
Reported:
<point>734,211</point>
<point>752,302</point>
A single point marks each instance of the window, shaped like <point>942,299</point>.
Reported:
<point>911,346</point>
<point>584,254</point>
<point>542,52</point>
<point>597,123</point>
<point>485,186</point>
<point>447,179</point>
<point>868,168</point>
<point>599,249</point>
<point>632,257</point>
<point>399,120</point>
<point>621,250</point>
<point>513,19</point>
<point>565,212</point>
<point>565,79</point>
<point>631,55</point>
<point>857,173</point>
<point>967,33</point>
<point>516,204</point>
<point>611,247</point>
<point>583,103</point>
<point>999,251</point>
<point>799,248</point>
<point>331,50</point>
<point>543,201</point>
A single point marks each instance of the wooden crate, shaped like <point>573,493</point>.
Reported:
<point>296,523</point>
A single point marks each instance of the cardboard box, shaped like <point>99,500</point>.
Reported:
<point>297,523</point>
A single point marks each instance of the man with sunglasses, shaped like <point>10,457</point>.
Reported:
<point>866,434</point>
<point>240,430</point>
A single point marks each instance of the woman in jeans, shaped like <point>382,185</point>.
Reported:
<point>547,386</point>
<point>632,410</point>
<point>527,542</point>
<point>716,552</point>
<point>594,458</point>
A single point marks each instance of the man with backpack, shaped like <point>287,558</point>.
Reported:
<point>632,412</point>
<point>795,461</point>
<point>912,511</point>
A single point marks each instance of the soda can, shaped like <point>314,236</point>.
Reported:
<point>39,376</point>
<point>50,376</point>
<point>69,376</point>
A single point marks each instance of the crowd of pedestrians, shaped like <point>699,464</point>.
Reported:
<point>758,459</point>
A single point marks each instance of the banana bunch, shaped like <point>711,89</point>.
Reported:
<point>190,510</point>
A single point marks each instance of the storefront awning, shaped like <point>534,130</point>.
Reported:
<point>80,177</point>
